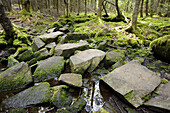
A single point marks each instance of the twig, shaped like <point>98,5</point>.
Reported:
<point>117,105</point>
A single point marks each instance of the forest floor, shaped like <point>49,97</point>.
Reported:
<point>105,35</point>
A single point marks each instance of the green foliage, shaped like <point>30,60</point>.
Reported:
<point>163,81</point>
<point>157,92</point>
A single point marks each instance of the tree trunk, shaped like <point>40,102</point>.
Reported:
<point>151,8</point>
<point>127,6</point>
<point>5,22</point>
<point>79,3</point>
<point>26,5</point>
<point>135,14</point>
<point>99,9</point>
<point>119,14</point>
<point>85,7</point>
<point>160,8</point>
<point>104,7</point>
<point>146,7</point>
<point>141,8</point>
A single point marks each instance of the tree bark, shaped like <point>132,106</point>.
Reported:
<point>151,8</point>
<point>85,7</point>
<point>141,8</point>
<point>119,14</point>
<point>135,14</point>
<point>99,14</point>
<point>146,7</point>
<point>5,22</point>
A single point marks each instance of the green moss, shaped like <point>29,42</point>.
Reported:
<point>147,97</point>
<point>25,56</point>
<point>47,73</point>
<point>23,37</point>
<point>129,96</point>
<point>3,42</point>
<point>157,92</point>
<point>18,110</point>
<point>56,24</point>
<point>160,41</point>
<point>163,81</point>
<point>17,42</point>
<point>21,50</point>
<point>102,110</point>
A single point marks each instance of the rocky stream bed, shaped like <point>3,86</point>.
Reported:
<point>69,77</point>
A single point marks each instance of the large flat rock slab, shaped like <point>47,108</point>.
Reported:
<point>71,79</point>
<point>68,49</point>
<point>86,60</point>
<point>133,81</point>
<point>34,95</point>
<point>163,99</point>
<point>49,68</point>
<point>17,76</point>
<point>51,37</point>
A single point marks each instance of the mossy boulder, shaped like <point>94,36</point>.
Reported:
<point>17,76</point>
<point>12,61</point>
<point>60,97</point>
<point>41,54</point>
<point>25,56</point>
<point>114,56</point>
<point>34,95</point>
<point>17,110</point>
<point>49,68</point>
<point>37,44</point>
<point>77,106</point>
<point>161,48</point>
<point>71,79</point>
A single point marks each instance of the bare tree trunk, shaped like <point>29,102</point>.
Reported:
<point>104,7</point>
<point>5,22</point>
<point>151,8</point>
<point>160,8</point>
<point>26,5</point>
<point>135,14</point>
<point>141,8</point>
<point>146,7</point>
<point>117,8</point>
<point>79,3</point>
<point>85,7</point>
<point>127,6</point>
<point>99,9</point>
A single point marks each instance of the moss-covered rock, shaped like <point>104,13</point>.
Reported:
<point>18,76</point>
<point>114,56</point>
<point>34,95</point>
<point>3,42</point>
<point>77,36</point>
<point>12,61</point>
<point>49,68</point>
<point>37,44</point>
<point>25,56</point>
<point>17,110</point>
<point>77,106</point>
<point>41,54</point>
<point>161,47</point>
<point>60,98</point>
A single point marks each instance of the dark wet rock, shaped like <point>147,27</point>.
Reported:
<point>71,79</point>
<point>12,61</point>
<point>77,106</point>
<point>3,61</point>
<point>60,97</point>
<point>31,96</point>
<point>49,68</point>
<point>114,56</point>
<point>133,81</point>
<point>86,60</point>
<point>51,37</point>
<point>37,44</point>
<point>77,36</point>
<point>18,76</point>
<point>50,45</point>
<point>25,56</point>
<point>161,47</point>
<point>68,49</point>
<point>161,100</point>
